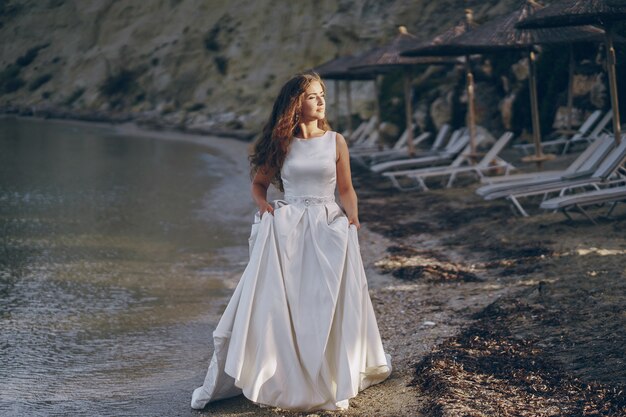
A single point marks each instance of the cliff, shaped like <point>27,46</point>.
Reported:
<point>216,64</point>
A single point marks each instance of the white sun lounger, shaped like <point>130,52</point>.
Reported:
<point>585,163</point>
<point>400,145</point>
<point>458,141</point>
<point>400,149</point>
<point>362,136</point>
<point>437,145</point>
<point>583,130</point>
<point>487,163</point>
<point>599,129</point>
<point>611,171</point>
<point>568,203</point>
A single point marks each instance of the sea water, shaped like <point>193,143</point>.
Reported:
<point>118,252</point>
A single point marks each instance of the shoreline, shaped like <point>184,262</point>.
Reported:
<point>149,121</point>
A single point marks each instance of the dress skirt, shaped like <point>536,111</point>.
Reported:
<point>299,331</point>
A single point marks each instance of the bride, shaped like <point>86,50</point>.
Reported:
<point>299,331</point>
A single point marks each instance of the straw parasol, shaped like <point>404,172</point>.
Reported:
<point>339,69</point>
<point>387,57</point>
<point>501,34</point>
<point>602,13</point>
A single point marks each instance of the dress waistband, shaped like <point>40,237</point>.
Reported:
<point>310,200</point>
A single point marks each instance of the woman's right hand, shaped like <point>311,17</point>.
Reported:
<point>266,207</point>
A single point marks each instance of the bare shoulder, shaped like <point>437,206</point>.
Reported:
<point>341,141</point>
<point>342,146</point>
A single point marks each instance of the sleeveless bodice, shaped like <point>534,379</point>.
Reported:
<point>309,169</point>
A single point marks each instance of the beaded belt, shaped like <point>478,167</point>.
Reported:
<point>309,200</point>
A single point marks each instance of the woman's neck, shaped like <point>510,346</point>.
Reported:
<point>309,129</point>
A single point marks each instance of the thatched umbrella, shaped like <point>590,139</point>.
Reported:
<point>602,13</point>
<point>387,57</point>
<point>339,69</point>
<point>466,25</point>
<point>501,34</point>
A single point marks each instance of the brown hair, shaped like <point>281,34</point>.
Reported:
<point>271,149</point>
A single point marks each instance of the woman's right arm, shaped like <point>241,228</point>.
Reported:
<point>260,184</point>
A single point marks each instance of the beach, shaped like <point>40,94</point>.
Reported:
<point>484,312</point>
<point>126,210</point>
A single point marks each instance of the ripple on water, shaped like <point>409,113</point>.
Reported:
<point>113,268</point>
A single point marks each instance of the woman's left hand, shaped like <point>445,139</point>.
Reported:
<point>354,221</point>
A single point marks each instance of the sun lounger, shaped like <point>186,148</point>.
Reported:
<point>563,140</point>
<point>438,145</point>
<point>400,145</point>
<point>369,141</point>
<point>600,128</point>
<point>392,154</point>
<point>488,162</point>
<point>441,137</point>
<point>354,136</point>
<point>610,172</point>
<point>402,141</point>
<point>578,201</point>
<point>363,134</point>
<point>580,168</point>
<point>585,163</point>
<point>458,141</point>
<point>400,149</point>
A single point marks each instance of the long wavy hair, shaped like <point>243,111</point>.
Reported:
<point>271,149</point>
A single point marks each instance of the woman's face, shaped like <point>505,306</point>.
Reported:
<point>313,103</point>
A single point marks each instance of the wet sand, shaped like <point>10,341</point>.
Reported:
<point>486,313</point>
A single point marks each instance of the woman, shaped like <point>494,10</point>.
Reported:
<point>299,331</point>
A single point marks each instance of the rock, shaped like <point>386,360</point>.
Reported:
<point>389,132</point>
<point>486,106</point>
<point>506,111</point>
<point>520,69</point>
<point>486,67</point>
<point>562,114</point>
<point>441,110</point>
<point>225,54</point>
<point>582,84</point>
<point>421,116</point>
<point>598,92</point>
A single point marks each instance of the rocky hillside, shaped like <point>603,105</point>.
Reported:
<point>215,63</point>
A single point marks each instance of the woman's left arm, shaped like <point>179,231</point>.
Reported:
<point>344,182</point>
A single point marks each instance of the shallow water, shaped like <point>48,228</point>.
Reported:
<point>117,254</point>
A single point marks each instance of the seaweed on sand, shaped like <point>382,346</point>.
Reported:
<point>487,371</point>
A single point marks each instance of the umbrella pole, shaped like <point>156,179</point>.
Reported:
<point>377,85</point>
<point>408,110</point>
<point>610,58</point>
<point>336,103</point>
<point>570,88</point>
<point>539,156</point>
<point>534,105</point>
<point>349,106</point>
<point>471,110</point>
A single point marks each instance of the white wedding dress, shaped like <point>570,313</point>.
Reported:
<point>299,331</point>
